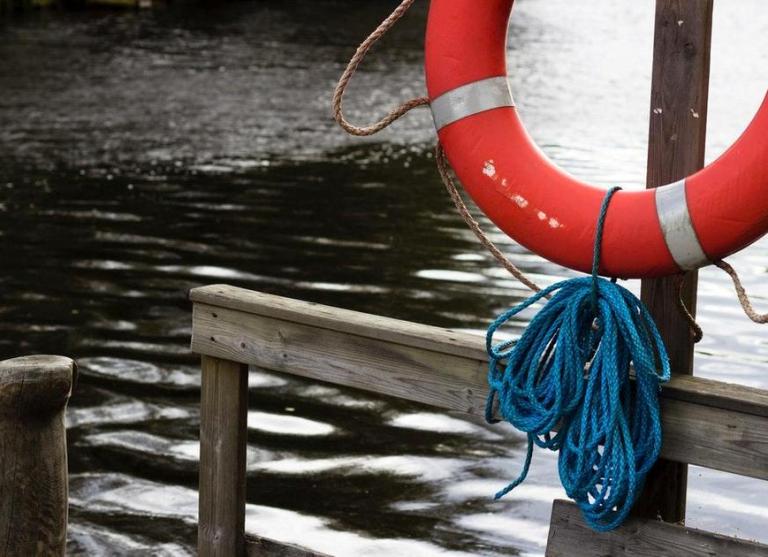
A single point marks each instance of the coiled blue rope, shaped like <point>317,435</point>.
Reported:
<point>566,383</point>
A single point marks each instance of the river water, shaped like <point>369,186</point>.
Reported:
<point>145,153</point>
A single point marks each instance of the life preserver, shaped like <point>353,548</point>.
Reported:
<point>703,218</point>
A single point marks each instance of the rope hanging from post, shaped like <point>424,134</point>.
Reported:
<point>695,329</point>
<point>570,372</point>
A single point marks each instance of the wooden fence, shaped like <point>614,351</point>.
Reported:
<point>708,423</point>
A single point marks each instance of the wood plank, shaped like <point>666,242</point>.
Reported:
<point>343,320</point>
<point>721,439</point>
<point>703,422</point>
<point>34,391</point>
<point>394,332</point>
<point>569,536</point>
<point>708,392</point>
<point>426,376</point>
<point>678,124</point>
<point>223,437</point>
<point>257,546</point>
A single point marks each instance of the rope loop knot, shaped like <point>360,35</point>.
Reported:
<point>567,384</point>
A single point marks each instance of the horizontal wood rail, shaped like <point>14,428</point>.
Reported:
<point>570,537</point>
<point>707,423</point>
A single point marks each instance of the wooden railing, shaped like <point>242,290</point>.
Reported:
<point>708,423</point>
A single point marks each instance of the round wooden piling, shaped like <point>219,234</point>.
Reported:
<point>34,391</point>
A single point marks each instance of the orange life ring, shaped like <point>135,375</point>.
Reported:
<point>703,218</point>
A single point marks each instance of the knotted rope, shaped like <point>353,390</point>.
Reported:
<point>570,372</point>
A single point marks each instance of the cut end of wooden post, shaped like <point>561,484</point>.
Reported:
<point>34,385</point>
<point>33,463</point>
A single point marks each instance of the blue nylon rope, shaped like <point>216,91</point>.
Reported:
<point>570,372</point>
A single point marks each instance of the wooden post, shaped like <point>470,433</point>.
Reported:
<point>679,93</point>
<point>33,455</point>
<point>223,438</point>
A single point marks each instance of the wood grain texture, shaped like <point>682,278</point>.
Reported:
<point>257,546</point>
<point>704,421</point>
<point>34,391</point>
<point>343,320</point>
<point>678,124</point>
<point>570,537</point>
<point>223,429</point>
<point>343,358</point>
<point>716,438</point>
<point>707,392</point>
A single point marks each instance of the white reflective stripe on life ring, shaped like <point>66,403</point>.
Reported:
<point>677,227</point>
<point>471,99</point>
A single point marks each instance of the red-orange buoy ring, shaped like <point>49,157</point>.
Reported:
<point>703,218</point>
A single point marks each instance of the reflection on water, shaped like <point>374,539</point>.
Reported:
<point>145,153</point>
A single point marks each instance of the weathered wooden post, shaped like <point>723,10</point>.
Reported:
<point>679,94</point>
<point>223,432</point>
<point>34,391</point>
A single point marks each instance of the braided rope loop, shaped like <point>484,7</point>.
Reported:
<point>352,66</point>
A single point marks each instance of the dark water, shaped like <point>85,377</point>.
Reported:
<point>145,153</point>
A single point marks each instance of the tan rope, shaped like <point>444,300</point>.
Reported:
<point>746,305</point>
<point>354,63</point>
<point>696,332</point>
<point>442,163</point>
<point>474,226</point>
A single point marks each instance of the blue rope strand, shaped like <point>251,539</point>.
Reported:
<point>566,384</point>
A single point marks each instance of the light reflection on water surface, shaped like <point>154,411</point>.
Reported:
<point>146,153</point>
